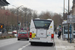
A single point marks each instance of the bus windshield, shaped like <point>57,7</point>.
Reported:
<point>42,23</point>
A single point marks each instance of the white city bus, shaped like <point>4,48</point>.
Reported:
<point>41,31</point>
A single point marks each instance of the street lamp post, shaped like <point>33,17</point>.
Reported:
<point>68,14</point>
<point>64,9</point>
<point>21,21</point>
<point>12,19</point>
<point>7,19</point>
<point>17,16</point>
<point>22,18</point>
<point>17,21</point>
<point>25,20</point>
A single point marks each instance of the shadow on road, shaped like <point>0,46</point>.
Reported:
<point>23,40</point>
<point>43,44</point>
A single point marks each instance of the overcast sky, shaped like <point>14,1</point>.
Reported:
<point>55,6</point>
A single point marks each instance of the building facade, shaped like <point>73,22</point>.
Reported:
<point>73,8</point>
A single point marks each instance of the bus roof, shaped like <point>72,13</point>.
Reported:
<point>49,19</point>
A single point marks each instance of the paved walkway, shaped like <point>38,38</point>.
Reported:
<point>63,45</point>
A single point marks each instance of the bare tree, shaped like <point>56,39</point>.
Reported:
<point>45,15</point>
<point>57,19</point>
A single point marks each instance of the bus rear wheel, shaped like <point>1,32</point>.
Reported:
<point>32,43</point>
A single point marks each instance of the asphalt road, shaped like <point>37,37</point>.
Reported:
<point>14,44</point>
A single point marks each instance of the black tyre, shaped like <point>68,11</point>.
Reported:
<point>27,39</point>
<point>18,39</point>
<point>32,43</point>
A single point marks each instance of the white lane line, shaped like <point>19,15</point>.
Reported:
<point>24,46</point>
<point>20,49</point>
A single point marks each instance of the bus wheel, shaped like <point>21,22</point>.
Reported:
<point>32,43</point>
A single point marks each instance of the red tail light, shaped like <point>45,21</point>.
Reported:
<point>52,35</point>
<point>30,35</point>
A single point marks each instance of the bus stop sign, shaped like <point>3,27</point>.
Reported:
<point>71,18</point>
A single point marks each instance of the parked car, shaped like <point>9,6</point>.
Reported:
<point>14,32</point>
<point>0,32</point>
<point>23,34</point>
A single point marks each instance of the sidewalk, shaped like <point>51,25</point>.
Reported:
<point>63,45</point>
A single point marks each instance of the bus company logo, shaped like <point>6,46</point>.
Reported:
<point>50,26</point>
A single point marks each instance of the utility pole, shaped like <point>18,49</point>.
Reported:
<point>17,18</point>
<point>22,21</point>
<point>12,23</point>
<point>7,20</point>
<point>63,12</point>
<point>64,6</point>
<point>68,14</point>
<point>25,19</point>
<point>22,15</point>
<point>17,21</point>
<point>64,9</point>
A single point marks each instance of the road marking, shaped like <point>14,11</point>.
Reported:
<point>20,49</point>
<point>24,46</point>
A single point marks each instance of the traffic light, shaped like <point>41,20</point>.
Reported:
<point>19,24</point>
<point>1,26</point>
<point>59,26</point>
